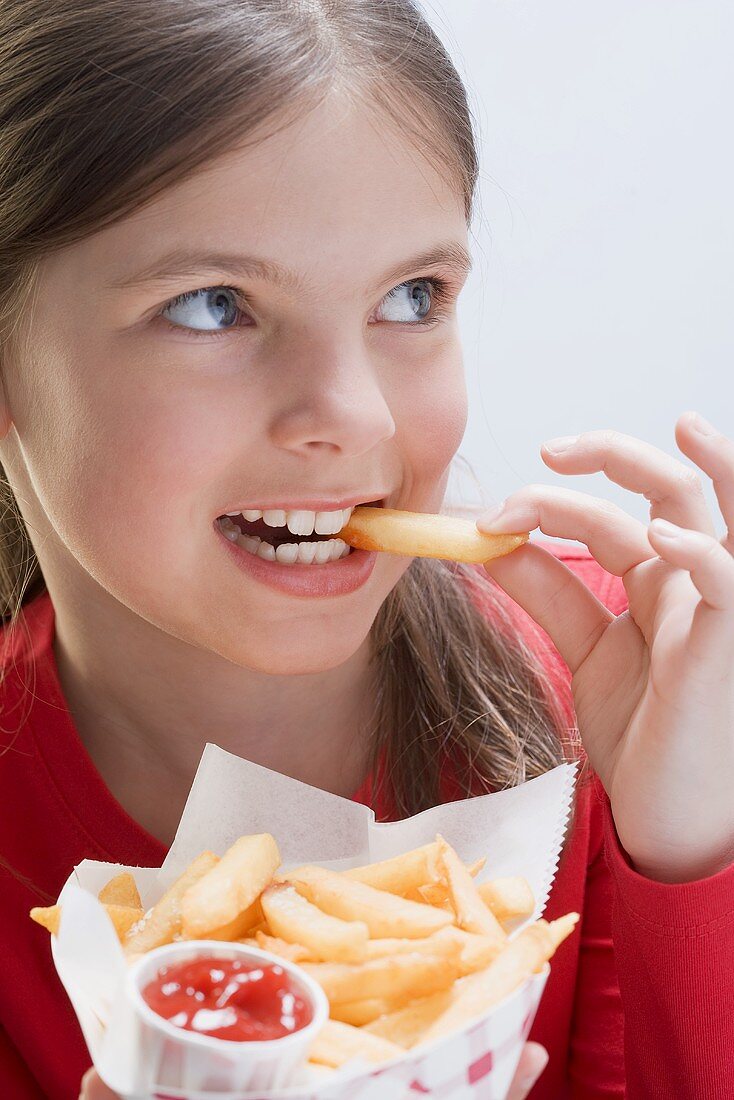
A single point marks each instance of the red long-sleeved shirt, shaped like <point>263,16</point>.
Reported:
<point>640,1001</point>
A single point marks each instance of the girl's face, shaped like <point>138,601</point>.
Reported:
<point>313,364</point>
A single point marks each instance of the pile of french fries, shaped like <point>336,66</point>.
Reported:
<point>407,950</point>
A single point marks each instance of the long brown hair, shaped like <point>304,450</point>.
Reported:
<point>105,103</point>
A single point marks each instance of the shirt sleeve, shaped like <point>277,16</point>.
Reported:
<point>654,1003</point>
<point>674,945</point>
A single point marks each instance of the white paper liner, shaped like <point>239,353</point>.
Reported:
<point>520,830</point>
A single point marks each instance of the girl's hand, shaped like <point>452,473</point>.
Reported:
<point>533,1061</point>
<point>93,1088</point>
<point>653,688</point>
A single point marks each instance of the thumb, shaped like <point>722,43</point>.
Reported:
<point>533,1060</point>
<point>94,1088</point>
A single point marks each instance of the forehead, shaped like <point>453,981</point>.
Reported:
<point>337,188</point>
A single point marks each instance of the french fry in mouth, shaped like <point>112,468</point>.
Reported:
<point>421,535</point>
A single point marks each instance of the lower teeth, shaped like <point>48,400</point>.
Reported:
<point>289,553</point>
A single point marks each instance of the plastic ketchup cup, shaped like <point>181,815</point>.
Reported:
<point>271,1009</point>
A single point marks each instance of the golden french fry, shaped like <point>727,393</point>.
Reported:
<point>358,1013</point>
<point>338,1043</point>
<point>443,943</point>
<point>401,874</point>
<point>560,929</point>
<point>425,536</point>
<point>49,917</point>
<point>406,874</point>
<point>384,914</point>
<point>121,890</point>
<point>508,898</point>
<point>476,951</point>
<point>229,889</point>
<point>475,867</point>
<point>123,917</point>
<point>393,977</point>
<point>437,894</point>
<point>294,952</point>
<point>521,957</point>
<point>245,922</point>
<point>472,952</point>
<point>162,923</point>
<point>471,912</point>
<point>406,1025</point>
<point>293,918</point>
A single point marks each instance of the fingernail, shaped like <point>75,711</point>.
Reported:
<point>491,515</point>
<point>562,443</point>
<point>702,426</point>
<point>664,530</point>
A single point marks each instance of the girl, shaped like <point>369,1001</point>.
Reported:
<point>232,239</point>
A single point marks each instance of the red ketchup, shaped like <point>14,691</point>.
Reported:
<point>239,999</point>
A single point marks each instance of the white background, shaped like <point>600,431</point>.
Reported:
<point>604,235</point>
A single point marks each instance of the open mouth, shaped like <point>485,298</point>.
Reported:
<point>290,536</point>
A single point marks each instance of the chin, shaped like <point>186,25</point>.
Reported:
<point>300,656</point>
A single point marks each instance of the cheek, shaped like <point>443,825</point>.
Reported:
<point>163,461</point>
<point>125,473</point>
<point>432,418</point>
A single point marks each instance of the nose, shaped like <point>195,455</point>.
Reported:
<point>333,400</point>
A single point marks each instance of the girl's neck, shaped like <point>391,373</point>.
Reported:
<point>145,704</point>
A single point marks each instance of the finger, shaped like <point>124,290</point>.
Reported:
<point>533,1060</point>
<point>673,489</point>
<point>714,454</point>
<point>617,541</point>
<point>711,568</point>
<point>94,1088</point>
<point>555,598</point>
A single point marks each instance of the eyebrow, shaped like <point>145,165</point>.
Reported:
<point>184,263</point>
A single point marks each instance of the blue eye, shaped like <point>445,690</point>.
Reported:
<point>206,308</point>
<point>415,303</point>
<point>412,300</point>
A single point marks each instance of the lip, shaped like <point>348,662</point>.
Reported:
<point>312,504</point>
<point>335,578</point>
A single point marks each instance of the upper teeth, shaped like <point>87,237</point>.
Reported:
<point>300,521</point>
